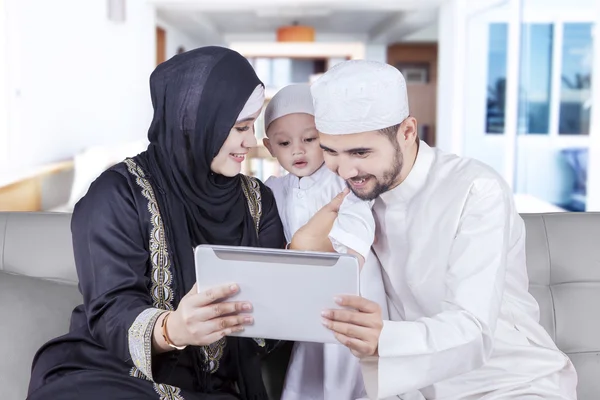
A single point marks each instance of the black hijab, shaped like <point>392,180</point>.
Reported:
<point>197,97</point>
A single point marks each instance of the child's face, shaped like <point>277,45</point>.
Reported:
<point>294,141</point>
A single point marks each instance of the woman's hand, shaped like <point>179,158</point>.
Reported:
<point>314,236</point>
<point>201,320</point>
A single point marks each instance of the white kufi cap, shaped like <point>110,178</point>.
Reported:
<point>289,100</point>
<point>359,96</point>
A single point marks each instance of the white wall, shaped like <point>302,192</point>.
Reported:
<point>560,8</point>
<point>427,34</point>
<point>176,38</point>
<point>376,52</point>
<point>451,76</point>
<point>3,90</point>
<point>76,79</point>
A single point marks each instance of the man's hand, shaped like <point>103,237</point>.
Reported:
<point>314,236</point>
<point>358,328</point>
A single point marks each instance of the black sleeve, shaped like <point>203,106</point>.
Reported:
<point>112,260</point>
<point>270,230</point>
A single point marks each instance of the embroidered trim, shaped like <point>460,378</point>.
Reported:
<point>136,373</point>
<point>165,392</point>
<point>140,334</point>
<point>161,291</point>
<point>140,340</point>
<point>162,278</point>
<point>251,189</point>
<point>213,353</point>
<point>168,392</point>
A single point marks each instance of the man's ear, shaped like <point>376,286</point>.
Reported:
<point>408,130</point>
<point>267,144</point>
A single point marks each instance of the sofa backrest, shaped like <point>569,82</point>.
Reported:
<point>563,260</point>
<point>37,244</point>
<point>38,291</point>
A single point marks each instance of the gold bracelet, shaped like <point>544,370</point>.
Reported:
<point>165,335</point>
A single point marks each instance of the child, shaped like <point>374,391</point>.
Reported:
<point>318,371</point>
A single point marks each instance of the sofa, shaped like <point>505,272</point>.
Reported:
<point>38,290</point>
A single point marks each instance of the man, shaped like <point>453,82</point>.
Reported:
<point>452,249</point>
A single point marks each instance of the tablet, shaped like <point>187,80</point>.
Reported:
<point>288,289</point>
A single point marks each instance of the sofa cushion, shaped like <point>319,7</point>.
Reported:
<point>32,311</point>
<point>3,220</point>
<point>39,245</point>
<point>563,263</point>
<point>562,260</point>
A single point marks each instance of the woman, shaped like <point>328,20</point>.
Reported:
<point>143,331</point>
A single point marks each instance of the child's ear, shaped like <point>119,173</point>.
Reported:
<point>267,144</point>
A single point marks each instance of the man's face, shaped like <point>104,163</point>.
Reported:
<point>369,162</point>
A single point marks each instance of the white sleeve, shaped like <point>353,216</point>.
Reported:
<point>275,183</point>
<point>354,227</point>
<point>272,182</point>
<point>416,354</point>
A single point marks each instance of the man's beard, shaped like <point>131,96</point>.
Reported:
<point>384,184</point>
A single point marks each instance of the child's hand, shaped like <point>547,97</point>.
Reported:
<point>361,259</point>
<point>314,236</point>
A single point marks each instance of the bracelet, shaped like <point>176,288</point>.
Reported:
<point>165,335</point>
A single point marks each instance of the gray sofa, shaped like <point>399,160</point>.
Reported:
<point>38,291</point>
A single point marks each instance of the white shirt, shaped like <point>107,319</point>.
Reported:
<point>298,199</point>
<point>317,371</point>
<point>462,322</point>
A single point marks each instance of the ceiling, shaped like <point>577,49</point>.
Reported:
<point>377,21</point>
<point>339,22</point>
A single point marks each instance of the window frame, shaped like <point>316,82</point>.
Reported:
<point>558,21</point>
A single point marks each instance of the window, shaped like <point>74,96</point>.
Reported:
<point>576,78</point>
<point>572,99</point>
<point>536,75</point>
<point>496,85</point>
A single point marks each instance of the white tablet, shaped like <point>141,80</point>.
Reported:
<point>288,289</point>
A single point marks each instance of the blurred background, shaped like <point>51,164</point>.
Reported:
<point>512,83</point>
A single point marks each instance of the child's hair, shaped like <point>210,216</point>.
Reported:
<point>289,100</point>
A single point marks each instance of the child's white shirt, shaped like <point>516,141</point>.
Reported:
<point>298,199</point>
<point>328,371</point>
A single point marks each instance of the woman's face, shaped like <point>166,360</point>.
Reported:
<point>233,152</point>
